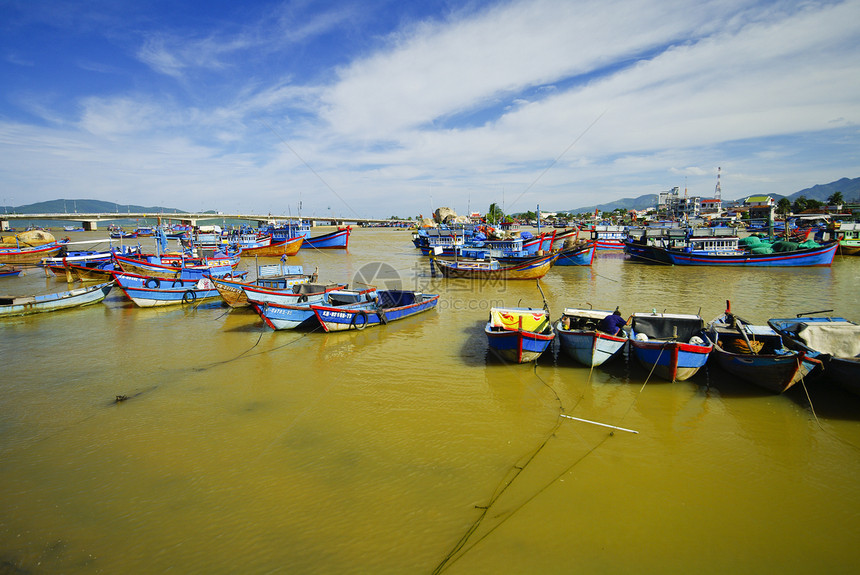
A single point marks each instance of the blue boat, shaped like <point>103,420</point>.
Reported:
<point>290,316</point>
<point>147,291</point>
<point>835,339</point>
<point>582,255</point>
<point>519,335</point>
<point>725,251</point>
<point>581,339</point>
<point>390,305</point>
<point>758,355</point>
<point>673,346</point>
<point>338,239</point>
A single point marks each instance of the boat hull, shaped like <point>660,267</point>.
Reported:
<point>54,301</point>
<point>517,346</point>
<point>590,348</point>
<point>331,241</point>
<point>369,315</point>
<point>288,247</point>
<point>775,373</point>
<point>577,256</point>
<point>28,255</point>
<point>531,269</point>
<point>814,257</point>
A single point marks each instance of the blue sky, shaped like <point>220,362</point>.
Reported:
<point>380,108</point>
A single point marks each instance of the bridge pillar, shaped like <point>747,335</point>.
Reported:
<point>4,225</point>
<point>90,225</point>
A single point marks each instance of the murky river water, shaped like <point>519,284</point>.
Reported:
<point>407,449</point>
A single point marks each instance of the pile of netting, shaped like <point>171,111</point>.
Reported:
<point>762,245</point>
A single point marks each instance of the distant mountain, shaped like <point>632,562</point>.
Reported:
<point>86,207</point>
<point>850,189</point>
<point>640,203</point>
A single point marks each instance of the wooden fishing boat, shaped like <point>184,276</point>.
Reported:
<point>171,266</point>
<point>757,354</point>
<point>835,340</point>
<point>28,255</point>
<point>810,257</point>
<point>673,346</point>
<point>577,255</point>
<point>25,305</point>
<point>338,239</point>
<point>390,305</point>
<point>148,291</point>
<point>300,314</point>
<point>518,335</point>
<point>270,278</point>
<point>581,339</point>
<point>275,249</point>
<point>529,269</point>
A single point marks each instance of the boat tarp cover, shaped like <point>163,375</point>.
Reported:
<point>509,319</point>
<point>396,298</point>
<point>657,327</point>
<point>838,340</point>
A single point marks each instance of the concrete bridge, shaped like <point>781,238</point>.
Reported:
<point>90,221</point>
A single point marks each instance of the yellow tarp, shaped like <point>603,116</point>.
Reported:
<point>532,320</point>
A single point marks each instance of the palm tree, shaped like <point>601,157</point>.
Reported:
<point>835,199</point>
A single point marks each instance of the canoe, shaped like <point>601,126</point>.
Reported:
<point>673,346</point>
<point>518,335</point>
<point>581,339</point>
<point>835,339</point>
<point>151,291</point>
<point>300,314</point>
<point>390,305</point>
<point>758,354</point>
<point>25,305</point>
<point>533,268</point>
<point>288,247</point>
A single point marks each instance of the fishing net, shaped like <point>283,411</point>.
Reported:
<point>784,246</point>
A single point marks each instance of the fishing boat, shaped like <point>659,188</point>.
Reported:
<point>725,251</point>
<point>10,271</point>
<point>389,305</point>
<point>271,277</point>
<point>28,255</point>
<point>757,354</point>
<point>608,237</point>
<point>576,255</point>
<point>581,338</point>
<point>492,269</point>
<point>274,249</point>
<point>169,266</point>
<point>122,234</point>
<point>673,346</point>
<point>518,335</point>
<point>300,314</point>
<point>848,236</point>
<point>836,340</point>
<point>338,239</point>
<point>148,291</point>
<point>25,305</point>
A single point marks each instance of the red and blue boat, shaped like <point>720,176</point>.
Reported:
<point>673,346</point>
<point>519,335</point>
<point>390,305</point>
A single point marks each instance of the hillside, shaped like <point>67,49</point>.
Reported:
<point>86,206</point>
